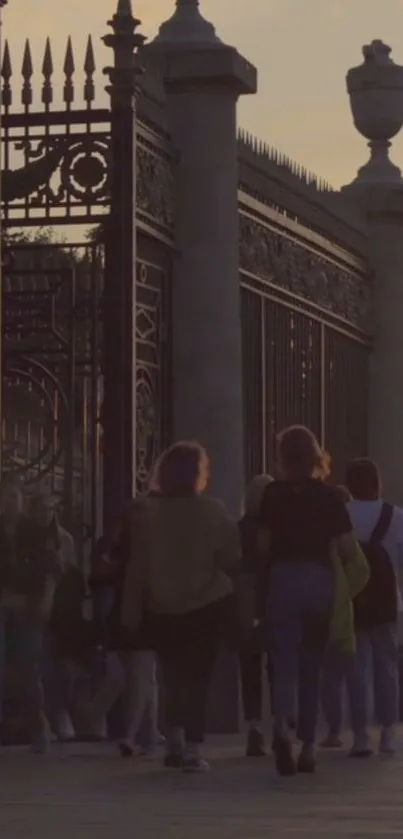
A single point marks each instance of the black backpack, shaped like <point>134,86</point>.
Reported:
<point>377,603</point>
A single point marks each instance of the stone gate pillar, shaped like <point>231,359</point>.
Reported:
<point>203,80</point>
<point>376,96</point>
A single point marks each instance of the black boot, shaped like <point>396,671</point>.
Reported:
<point>255,744</point>
<point>282,748</point>
<point>306,761</point>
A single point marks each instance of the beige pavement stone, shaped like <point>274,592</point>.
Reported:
<point>83,792</point>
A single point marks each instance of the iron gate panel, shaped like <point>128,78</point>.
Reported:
<point>51,376</point>
<point>153,364</point>
<point>299,369</point>
<point>293,383</point>
<point>253,379</point>
<point>346,399</point>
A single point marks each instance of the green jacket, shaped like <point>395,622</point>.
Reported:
<point>184,552</point>
<point>351,577</point>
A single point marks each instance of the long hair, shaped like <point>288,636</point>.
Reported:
<point>254,494</point>
<point>178,469</point>
<point>299,454</point>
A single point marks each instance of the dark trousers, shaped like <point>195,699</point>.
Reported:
<point>187,647</point>
<point>251,669</point>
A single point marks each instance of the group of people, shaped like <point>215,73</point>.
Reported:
<point>307,581</point>
<point>37,558</point>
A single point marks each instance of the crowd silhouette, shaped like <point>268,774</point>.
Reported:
<point>304,588</point>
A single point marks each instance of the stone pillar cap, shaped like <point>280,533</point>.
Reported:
<point>187,28</point>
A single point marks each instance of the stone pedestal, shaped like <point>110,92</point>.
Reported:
<point>376,96</point>
<point>386,363</point>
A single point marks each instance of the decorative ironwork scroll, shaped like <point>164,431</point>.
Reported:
<point>155,186</point>
<point>289,264</point>
<point>153,367</point>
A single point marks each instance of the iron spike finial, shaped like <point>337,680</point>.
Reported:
<point>89,62</point>
<point>27,67</point>
<point>27,73</point>
<point>69,65</point>
<point>47,66</point>
<point>6,73</point>
<point>47,72</point>
<point>6,69</point>
<point>89,68</point>
<point>69,69</point>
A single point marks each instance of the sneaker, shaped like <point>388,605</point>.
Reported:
<point>388,741</point>
<point>255,744</point>
<point>362,746</point>
<point>332,741</point>
<point>41,744</point>
<point>65,728</point>
<point>126,748</point>
<point>282,748</point>
<point>195,765</point>
<point>306,761</point>
<point>173,760</point>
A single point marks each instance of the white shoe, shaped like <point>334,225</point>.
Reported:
<point>362,746</point>
<point>195,765</point>
<point>388,741</point>
<point>65,727</point>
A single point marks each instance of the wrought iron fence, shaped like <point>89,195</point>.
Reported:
<point>300,368</point>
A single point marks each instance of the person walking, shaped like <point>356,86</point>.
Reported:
<point>252,604</point>
<point>373,680</point>
<point>302,522</point>
<point>30,564</point>
<point>65,621</point>
<point>185,550</point>
<point>129,661</point>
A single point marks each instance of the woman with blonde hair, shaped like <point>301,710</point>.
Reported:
<point>185,550</point>
<point>303,521</point>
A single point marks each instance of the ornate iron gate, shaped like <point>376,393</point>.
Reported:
<point>69,167</point>
<point>51,376</point>
<point>300,367</point>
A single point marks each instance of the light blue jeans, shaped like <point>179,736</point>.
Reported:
<point>371,678</point>
<point>299,608</point>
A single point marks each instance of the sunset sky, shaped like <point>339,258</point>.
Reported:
<point>302,49</point>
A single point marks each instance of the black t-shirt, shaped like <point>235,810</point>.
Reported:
<point>303,519</point>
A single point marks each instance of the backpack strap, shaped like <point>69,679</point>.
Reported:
<point>383,524</point>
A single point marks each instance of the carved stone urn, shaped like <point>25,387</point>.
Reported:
<point>376,98</point>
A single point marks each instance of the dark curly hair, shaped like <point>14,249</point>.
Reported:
<point>178,469</point>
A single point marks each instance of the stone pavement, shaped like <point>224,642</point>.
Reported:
<point>86,792</point>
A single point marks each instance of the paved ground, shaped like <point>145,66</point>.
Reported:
<point>83,792</point>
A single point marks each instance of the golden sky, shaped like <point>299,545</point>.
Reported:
<point>302,49</point>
